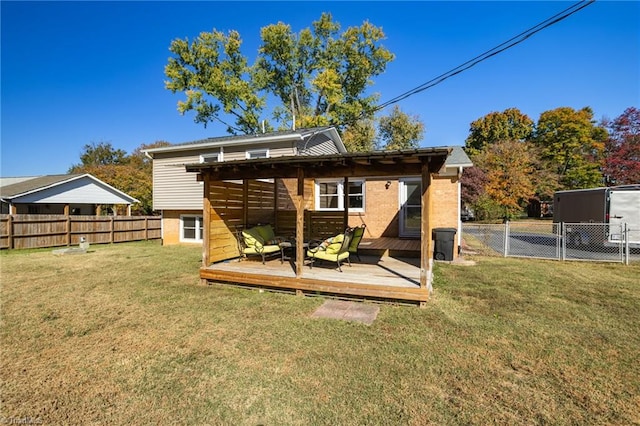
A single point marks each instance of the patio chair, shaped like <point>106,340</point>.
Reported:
<point>334,249</point>
<point>358,232</point>
<point>259,240</point>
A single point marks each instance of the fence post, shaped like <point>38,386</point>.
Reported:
<point>563,246</point>
<point>506,239</point>
<point>10,231</point>
<point>558,240</point>
<point>625,235</point>
<point>146,228</point>
<point>68,230</point>
<point>111,231</point>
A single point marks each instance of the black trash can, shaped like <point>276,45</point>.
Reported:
<point>444,239</point>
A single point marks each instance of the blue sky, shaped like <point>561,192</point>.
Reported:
<point>74,73</point>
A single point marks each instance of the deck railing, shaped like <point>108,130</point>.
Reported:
<point>23,231</point>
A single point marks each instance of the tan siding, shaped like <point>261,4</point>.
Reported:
<point>173,187</point>
<point>319,144</point>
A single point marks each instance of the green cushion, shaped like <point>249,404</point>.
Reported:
<point>252,237</point>
<point>266,232</point>
<point>333,257</point>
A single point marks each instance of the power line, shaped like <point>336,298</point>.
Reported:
<point>489,53</point>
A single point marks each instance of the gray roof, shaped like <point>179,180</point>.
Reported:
<point>15,188</point>
<point>256,138</point>
<point>458,158</point>
<point>30,184</point>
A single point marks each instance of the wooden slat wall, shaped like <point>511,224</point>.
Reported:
<point>41,231</point>
<point>260,202</point>
<point>227,215</point>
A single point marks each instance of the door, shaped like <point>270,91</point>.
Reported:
<point>624,208</point>
<point>410,207</point>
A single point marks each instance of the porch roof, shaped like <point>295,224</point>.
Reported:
<point>360,164</point>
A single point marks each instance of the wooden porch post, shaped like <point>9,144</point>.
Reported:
<point>345,203</point>
<point>245,203</point>
<point>300,223</point>
<point>425,228</point>
<point>206,218</point>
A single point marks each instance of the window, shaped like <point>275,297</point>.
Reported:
<point>330,195</point>
<point>191,228</point>
<point>213,157</point>
<point>258,153</point>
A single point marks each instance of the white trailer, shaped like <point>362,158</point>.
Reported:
<point>616,206</point>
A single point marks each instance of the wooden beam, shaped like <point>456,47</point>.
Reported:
<point>299,201</point>
<point>245,203</point>
<point>345,202</point>
<point>425,228</point>
<point>206,218</point>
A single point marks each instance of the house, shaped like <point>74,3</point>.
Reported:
<point>72,194</point>
<point>388,205</point>
<point>305,197</point>
<point>179,197</point>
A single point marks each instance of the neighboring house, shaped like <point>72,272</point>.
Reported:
<point>179,197</point>
<point>390,207</point>
<point>73,194</point>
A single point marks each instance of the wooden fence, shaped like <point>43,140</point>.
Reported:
<point>23,231</point>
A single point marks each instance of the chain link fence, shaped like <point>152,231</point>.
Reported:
<point>600,242</point>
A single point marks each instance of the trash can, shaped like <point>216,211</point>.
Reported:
<point>443,243</point>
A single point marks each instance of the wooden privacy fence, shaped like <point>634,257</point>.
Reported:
<point>23,231</point>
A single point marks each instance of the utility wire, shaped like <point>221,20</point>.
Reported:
<point>489,53</point>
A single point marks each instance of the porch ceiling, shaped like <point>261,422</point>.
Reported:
<point>369,164</point>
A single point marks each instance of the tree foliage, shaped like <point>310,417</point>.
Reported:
<point>472,182</point>
<point>399,130</point>
<point>572,146</point>
<point>360,136</point>
<point>510,124</point>
<point>320,75</point>
<point>508,166</point>
<point>622,149</point>
<point>131,174</point>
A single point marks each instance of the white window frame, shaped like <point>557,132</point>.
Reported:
<point>250,152</point>
<point>340,184</point>
<point>199,228</point>
<point>212,157</point>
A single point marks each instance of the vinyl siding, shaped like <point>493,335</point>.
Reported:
<point>175,189</point>
<point>319,144</point>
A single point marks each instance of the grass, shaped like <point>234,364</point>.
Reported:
<point>126,334</point>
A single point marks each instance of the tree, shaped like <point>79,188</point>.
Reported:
<point>319,75</point>
<point>215,78</point>
<point>622,149</point>
<point>400,131</point>
<point>571,146</point>
<point>510,124</point>
<point>508,167</point>
<point>360,136</point>
<point>100,154</point>
<point>472,182</point>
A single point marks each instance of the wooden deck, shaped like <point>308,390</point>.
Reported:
<point>394,247</point>
<point>375,278</point>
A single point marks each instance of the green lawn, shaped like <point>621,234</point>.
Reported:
<point>126,334</point>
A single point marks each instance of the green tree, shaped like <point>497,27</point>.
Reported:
<point>360,136</point>
<point>320,75</point>
<point>510,124</point>
<point>216,80</point>
<point>399,130</point>
<point>571,146</point>
<point>508,167</point>
<point>100,154</point>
